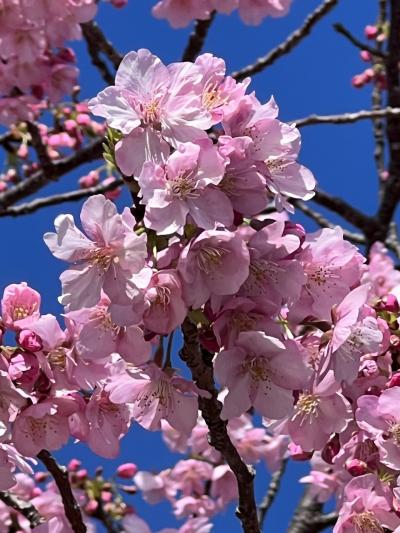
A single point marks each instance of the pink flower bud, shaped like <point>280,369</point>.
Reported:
<point>355,467</point>
<point>41,476</point>
<point>83,119</point>
<point>388,303</point>
<point>3,186</point>
<point>369,73</point>
<point>114,194</point>
<point>29,341</point>
<point>73,465</point>
<point>119,3</point>
<point>70,125</point>
<point>370,31</point>
<point>22,151</point>
<point>82,474</point>
<point>36,491</point>
<point>127,470</point>
<point>394,381</point>
<point>91,507</point>
<point>365,55</point>
<point>82,107</point>
<point>106,496</point>
<point>67,55</point>
<point>330,450</point>
<point>90,180</point>
<point>359,80</point>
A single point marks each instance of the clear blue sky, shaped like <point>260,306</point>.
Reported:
<point>315,78</point>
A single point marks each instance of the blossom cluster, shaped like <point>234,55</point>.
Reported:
<point>180,14</point>
<point>375,73</point>
<point>299,329</point>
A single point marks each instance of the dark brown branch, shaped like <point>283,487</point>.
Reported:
<point>356,238</point>
<point>377,103</point>
<point>391,195</point>
<point>93,33</point>
<point>272,491</point>
<point>287,46</point>
<point>197,38</point>
<point>346,211</point>
<point>95,56</point>
<point>359,44</point>
<point>39,179</point>
<point>60,475</point>
<point>41,150</point>
<point>202,373</point>
<point>25,508</point>
<point>72,196</point>
<point>347,118</point>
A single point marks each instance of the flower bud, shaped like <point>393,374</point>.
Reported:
<point>82,474</point>
<point>297,454</point>
<point>127,470</point>
<point>29,341</point>
<point>365,55</point>
<point>91,507</point>
<point>331,449</point>
<point>388,303</point>
<point>371,31</point>
<point>394,381</point>
<point>355,467</point>
<point>73,465</point>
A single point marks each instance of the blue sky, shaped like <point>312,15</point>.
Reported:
<point>315,78</point>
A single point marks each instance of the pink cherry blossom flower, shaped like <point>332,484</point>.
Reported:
<point>318,413</point>
<point>179,14</point>
<point>365,508</point>
<point>108,422</point>
<point>379,418</point>
<point>354,334</point>
<point>333,267</point>
<point>112,258</point>
<point>215,263</point>
<point>254,11</point>
<point>260,371</point>
<point>155,395</point>
<point>165,309</point>
<point>153,104</point>
<point>274,279</point>
<point>20,306</point>
<point>43,426</point>
<point>223,485</point>
<point>185,188</point>
<point>10,460</point>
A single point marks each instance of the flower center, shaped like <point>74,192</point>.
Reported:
<point>210,258</point>
<point>22,311</point>
<point>57,358</point>
<point>150,112</point>
<point>163,297</point>
<point>395,432</point>
<point>319,275</point>
<point>242,322</point>
<point>261,274</point>
<point>366,522</point>
<point>101,258</point>
<point>307,405</point>
<point>183,185</point>
<point>257,367</point>
<point>212,96</point>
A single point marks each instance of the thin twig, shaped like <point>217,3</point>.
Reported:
<point>202,373</point>
<point>39,179</point>
<point>95,56</point>
<point>197,38</point>
<point>25,508</point>
<point>60,475</point>
<point>356,238</point>
<point>347,118</point>
<point>93,33</point>
<point>41,150</point>
<point>359,44</point>
<point>287,46</point>
<point>391,195</point>
<point>272,491</point>
<point>377,103</point>
<point>30,207</point>
<point>345,210</point>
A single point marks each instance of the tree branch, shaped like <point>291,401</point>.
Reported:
<point>93,33</point>
<point>359,44</point>
<point>95,57</point>
<point>30,207</point>
<point>197,38</point>
<point>356,238</point>
<point>202,373</point>
<point>287,46</point>
<point>60,475</point>
<point>41,150</point>
<point>346,211</point>
<point>39,179</point>
<point>25,508</point>
<point>391,194</point>
<point>347,118</point>
<point>272,491</point>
